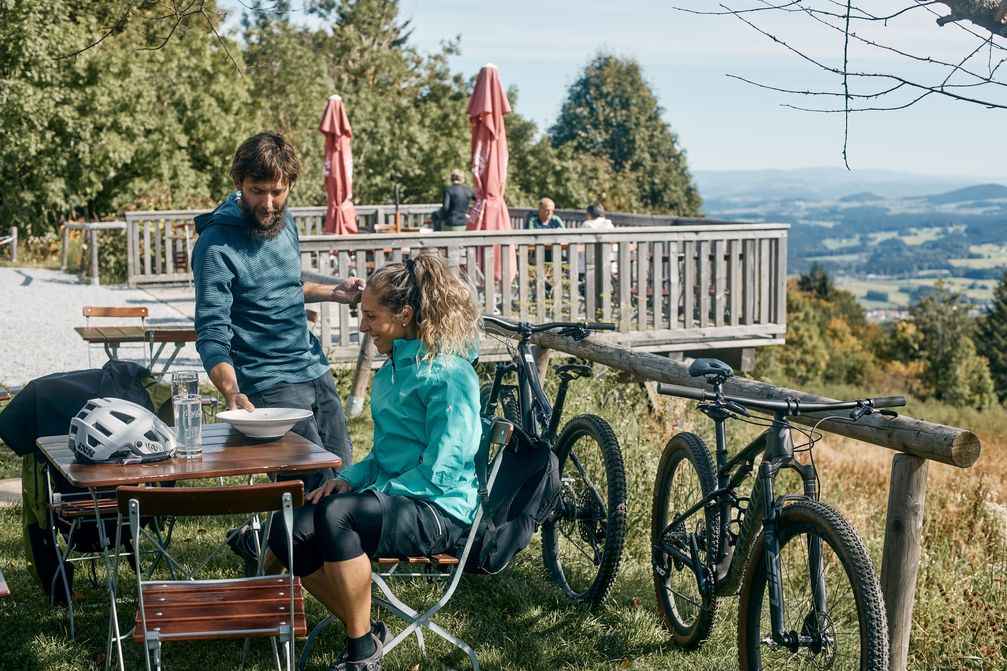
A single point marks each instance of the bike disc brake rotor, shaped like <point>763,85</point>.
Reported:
<point>818,639</point>
<point>591,519</point>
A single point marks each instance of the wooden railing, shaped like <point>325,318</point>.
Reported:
<point>916,443</point>
<point>681,287</point>
<point>159,242</point>
<point>668,288</point>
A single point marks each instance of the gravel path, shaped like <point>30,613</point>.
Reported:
<point>40,308</point>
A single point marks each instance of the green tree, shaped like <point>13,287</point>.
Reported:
<point>611,114</point>
<point>952,367</point>
<point>92,126</point>
<point>991,337</point>
<point>817,281</point>
<point>407,109</point>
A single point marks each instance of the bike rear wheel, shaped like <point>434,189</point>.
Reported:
<point>848,631</point>
<point>684,477</point>
<point>582,541</point>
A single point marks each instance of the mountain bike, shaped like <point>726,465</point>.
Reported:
<point>582,538</point>
<point>809,594</point>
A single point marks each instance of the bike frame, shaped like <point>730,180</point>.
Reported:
<point>721,573</point>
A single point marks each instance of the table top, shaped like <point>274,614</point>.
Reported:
<point>226,451</point>
<point>124,334</point>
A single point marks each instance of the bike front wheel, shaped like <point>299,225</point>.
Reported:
<point>684,477</point>
<point>582,540</point>
<point>833,618</point>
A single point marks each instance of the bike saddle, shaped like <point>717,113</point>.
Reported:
<point>572,371</point>
<point>706,367</point>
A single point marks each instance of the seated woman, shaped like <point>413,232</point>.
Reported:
<point>416,492</point>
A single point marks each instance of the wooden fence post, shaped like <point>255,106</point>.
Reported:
<point>542,355</point>
<point>93,237</point>
<point>901,554</point>
<point>63,249</point>
<point>361,376</point>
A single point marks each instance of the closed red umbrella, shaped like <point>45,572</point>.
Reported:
<point>487,108</point>
<point>340,217</point>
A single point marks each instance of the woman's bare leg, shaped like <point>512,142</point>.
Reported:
<point>344,587</point>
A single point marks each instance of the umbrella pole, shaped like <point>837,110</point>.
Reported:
<point>398,227</point>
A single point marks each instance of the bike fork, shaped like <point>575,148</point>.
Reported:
<point>774,568</point>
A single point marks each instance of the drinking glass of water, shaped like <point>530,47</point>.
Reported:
<point>188,426</point>
<point>185,383</point>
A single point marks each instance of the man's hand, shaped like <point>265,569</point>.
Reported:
<point>349,291</point>
<point>335,486</point>
<point>239,400</point>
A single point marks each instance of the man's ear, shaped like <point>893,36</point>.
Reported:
<point>237,184</point>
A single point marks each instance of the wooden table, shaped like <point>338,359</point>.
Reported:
<point>226,452</point>
<point>110,337</point>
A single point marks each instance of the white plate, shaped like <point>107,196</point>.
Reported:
<point>264,422</point>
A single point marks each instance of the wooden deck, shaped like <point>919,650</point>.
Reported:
<point>671,285</point>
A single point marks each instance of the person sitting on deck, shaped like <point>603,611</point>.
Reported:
<point>416,492</point>
<point>545,217</point>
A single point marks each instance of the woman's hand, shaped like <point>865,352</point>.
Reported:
<point>334,486</point>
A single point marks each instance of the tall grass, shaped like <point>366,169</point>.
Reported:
<point>517,621</point>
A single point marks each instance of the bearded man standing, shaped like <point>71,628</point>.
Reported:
<point>252,335</point>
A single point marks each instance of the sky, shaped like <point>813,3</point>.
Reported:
<point>542,46</point>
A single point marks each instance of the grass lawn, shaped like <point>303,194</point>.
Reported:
<point>516,620</point>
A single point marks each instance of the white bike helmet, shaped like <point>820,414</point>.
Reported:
<point>114,431</point>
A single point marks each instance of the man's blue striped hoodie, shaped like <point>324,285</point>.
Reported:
<point>250,302</point>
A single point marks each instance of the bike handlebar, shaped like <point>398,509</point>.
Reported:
<point>528,327</point>
<point>791,406</point>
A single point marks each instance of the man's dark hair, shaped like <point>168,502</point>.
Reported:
<point>265,156</point>
<point>595,210</point>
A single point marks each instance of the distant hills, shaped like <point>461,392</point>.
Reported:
<point>824,183</point>
<point>874,224</point>
<point>971,194</point>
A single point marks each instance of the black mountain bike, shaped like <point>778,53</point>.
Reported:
<point>809,595</point>
<point>582,539</point>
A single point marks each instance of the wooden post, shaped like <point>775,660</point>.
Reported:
<point>541,355</point>
<point>361,376</point>
<point>901,555</point>
<point>93,237</point>
<point>13,244</point>
<point>64,248</point>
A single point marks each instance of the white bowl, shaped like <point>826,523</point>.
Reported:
<point>264,422</point>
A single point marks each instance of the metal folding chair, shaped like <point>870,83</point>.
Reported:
<point>444,567</point>
<point>193,608</point>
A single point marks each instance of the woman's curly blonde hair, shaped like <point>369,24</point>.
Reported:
<point>443,302</point>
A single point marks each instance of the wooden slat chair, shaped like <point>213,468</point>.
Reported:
<point>128,312</point>
<point>203,609</point>
<point>447,569</point>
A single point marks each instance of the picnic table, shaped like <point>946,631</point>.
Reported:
<point>161,335</point>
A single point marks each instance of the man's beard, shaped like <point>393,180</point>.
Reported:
<point>262,229</point>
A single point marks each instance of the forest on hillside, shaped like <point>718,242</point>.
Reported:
<point>943,349</point>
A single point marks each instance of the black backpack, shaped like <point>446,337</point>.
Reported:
<point>526,490</point>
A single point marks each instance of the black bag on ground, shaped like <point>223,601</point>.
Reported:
<point>526,490</point>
